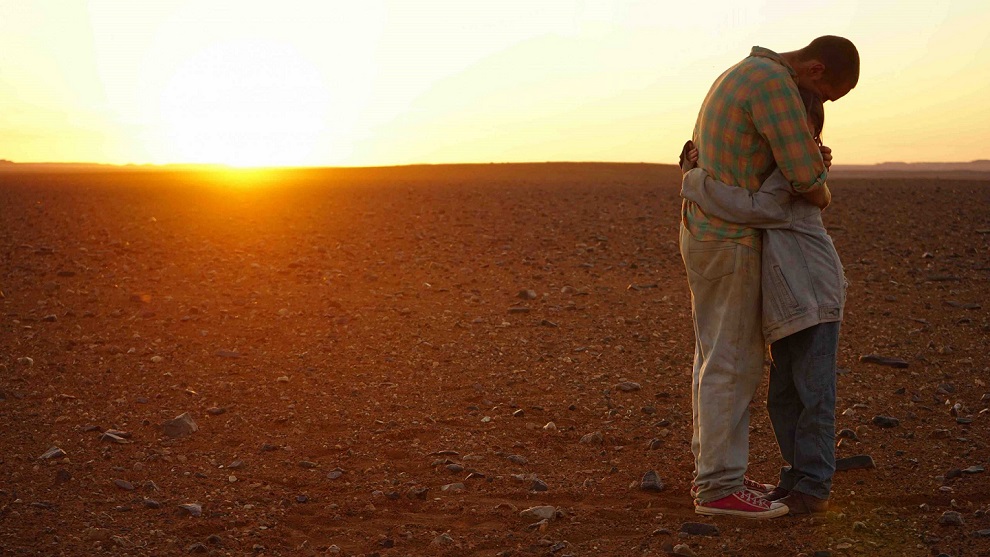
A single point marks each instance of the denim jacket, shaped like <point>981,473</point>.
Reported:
<point>803,283</point>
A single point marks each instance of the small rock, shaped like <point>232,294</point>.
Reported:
<point>683,549</point>
<point>110,437</point>
<point>151,504</point>
<point>973,470</point>
<point>197,548</point>
<point>847,434</point>
<point>983,533</point>
<point>518,459</point>
<point>301,499</point>
<point>518,309</point>
<point>628,386</point>
<point>651,482</point>
<point>307,464</point>
<point>417,492</point>
<point>551,427</point>
<point>443,539</point>
<point>655,444</point>
<point>542,512</point>
<point>53,453</point>
<point>950,518</point>
<point>538,485</point>
<point>861,461</point>
<point>215,411</point>
<point>123,484</point>
<point>236,465</point>
<point>519,413</point>
<point>193,509</point>
<point>593,438</point>
<point>699,529</point>
<point>885,422</point>
<point>62,476</point>
<point>181,426</point>
<point>335,473</point>
<point>26,361</point>
<point>528,294</point>
<point>883,361</point>
<point>454,468</point>
<point>453,488</point>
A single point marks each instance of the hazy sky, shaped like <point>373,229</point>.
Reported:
<point>366,82</point>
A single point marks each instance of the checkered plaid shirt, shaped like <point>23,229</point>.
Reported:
<point>752,121</point>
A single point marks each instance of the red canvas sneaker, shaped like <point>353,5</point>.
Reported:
<point>744,504</point>
<point>752,485</point>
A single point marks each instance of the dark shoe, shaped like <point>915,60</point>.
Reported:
<point>776,494</point>
<point>802,503</point>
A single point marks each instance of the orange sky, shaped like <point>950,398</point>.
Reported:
<point>395,82</point>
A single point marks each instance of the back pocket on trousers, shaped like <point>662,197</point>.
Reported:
<point>714,264</point>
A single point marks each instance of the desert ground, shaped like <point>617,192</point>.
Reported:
<point>406,361</point>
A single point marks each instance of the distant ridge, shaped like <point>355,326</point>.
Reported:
<point>981,165</point>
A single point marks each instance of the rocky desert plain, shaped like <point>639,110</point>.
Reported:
<point>464,360</point>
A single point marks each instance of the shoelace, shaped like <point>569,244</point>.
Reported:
<point>753,499</point>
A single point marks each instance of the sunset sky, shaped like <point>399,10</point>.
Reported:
<point>376,82</point>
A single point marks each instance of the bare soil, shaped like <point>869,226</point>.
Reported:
<point>358,339</point>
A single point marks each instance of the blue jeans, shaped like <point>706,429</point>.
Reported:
<point>801,403</point>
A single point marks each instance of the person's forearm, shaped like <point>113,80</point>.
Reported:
<point>820,197</point>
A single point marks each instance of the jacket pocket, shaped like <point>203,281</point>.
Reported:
<point>781,294</point>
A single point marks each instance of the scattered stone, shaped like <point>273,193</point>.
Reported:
<point>973,470</point>
<point>518,309</point>
<point>214,540</point>
<point>953,474</point>
<point>236,465</point>
<point>542,512</point>
<point>538,485</point>
<point>940,434</point>
<point>551,427</point>
<point>181,426</point>
<point>215,411</point>
<point>628,386</point>
<point>951,518</point>
<point>593,438</point>
<point>548,323</point>
<point>860,461</point>
<point>197,548</point>
<point>885,422</point>
<point>123,484</point>
<point>193,509</point>
<point>443,539</point>
<point>453,488</point>
<point>152,504</point>
<point>883,361</point>
<point>699,529</point>
<point>53,453</point>
<point>847,434</point>
<point>454,468</point>
<point>683,549</point>
<point>518,459</point>
<point>109,437</point>
<point>417,492</point>
<point>528,294</point>
<point>519,413</point>
<point>301,499</point>
<point>26,361</point>
<point>268,447</point>
<point>655,444</point>
<point>335,473</point>
<point>62,476</point>
<point>651,482</point>
<point>983,533</point>
<point>307,464</point>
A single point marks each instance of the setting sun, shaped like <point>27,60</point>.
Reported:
<point>245,104</point>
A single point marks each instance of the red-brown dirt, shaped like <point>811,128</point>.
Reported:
<point>367,320</point>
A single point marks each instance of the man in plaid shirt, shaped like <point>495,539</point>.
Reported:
<point>751,122</point>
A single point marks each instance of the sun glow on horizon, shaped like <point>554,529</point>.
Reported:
<point>245,104</point>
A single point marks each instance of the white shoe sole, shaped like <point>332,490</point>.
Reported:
<point>777,510</point>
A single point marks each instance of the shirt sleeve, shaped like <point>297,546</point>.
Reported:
<point>779,116</point>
